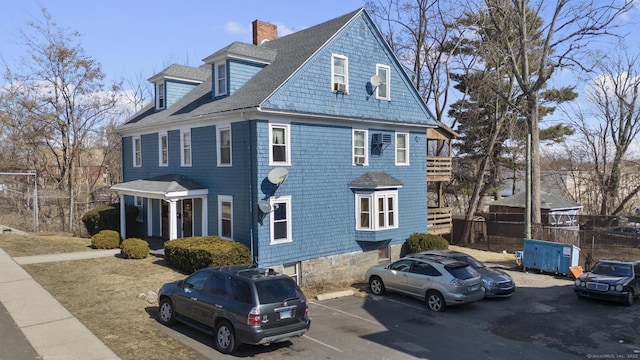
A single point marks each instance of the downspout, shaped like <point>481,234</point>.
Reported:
<point>252,204</point>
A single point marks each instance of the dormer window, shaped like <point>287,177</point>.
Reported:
<point>160,96</point>
<point>339,74</point>
<point>221,79</point>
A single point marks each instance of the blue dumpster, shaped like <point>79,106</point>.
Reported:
<point>549,256</point>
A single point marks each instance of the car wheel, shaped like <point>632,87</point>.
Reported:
<point>435,301</point>
<point>376,285</point>
<point>225,337</point>
<point>630,296</point>
<point>166,313</point>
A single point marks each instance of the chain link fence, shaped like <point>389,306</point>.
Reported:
<point>598,237</point>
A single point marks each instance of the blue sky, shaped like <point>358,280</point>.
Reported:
<point>142,37</point>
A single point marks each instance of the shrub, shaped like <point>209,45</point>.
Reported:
<point>106,239</point>
<point>134,248</point>
<point>107,217</point>
<point>194,253</point>
<point>418,242</point>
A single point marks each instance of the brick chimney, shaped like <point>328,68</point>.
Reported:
<point>263,31</point>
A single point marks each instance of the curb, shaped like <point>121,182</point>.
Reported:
<point>334,295</point>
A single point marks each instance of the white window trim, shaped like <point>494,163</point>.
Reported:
<point>287,143</point>
<point>160,153</point>
<point>365,162</point>
<point>219,142</point>
<point>374,210</point>
<point>406,149</point>
<point>387,82</point>
<point>218,78</point>
<point>273,201</point>
<point>182,148</point>
<point>160,89</point>
<point>346,71</point>
<point>137,151</point>
<point>221,199</point>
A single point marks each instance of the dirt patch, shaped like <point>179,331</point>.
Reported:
<point>116,299</point>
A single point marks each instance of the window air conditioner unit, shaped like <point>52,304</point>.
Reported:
<point>339,87</point>
<point>359,160</point>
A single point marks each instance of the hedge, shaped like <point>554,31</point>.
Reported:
<point>418,242</point>
<point>106,239</point>
<point>134,248</point>
<point>194,253</point>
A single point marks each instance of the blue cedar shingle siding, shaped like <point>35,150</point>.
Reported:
<point>176,90</point>
<point>309,90</point>
<point>295,89</point>
<point>323,205</point>
<point>239,73</point>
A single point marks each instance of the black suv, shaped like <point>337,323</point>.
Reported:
<point>237,304</point>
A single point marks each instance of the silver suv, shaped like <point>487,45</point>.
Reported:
<point>237,304</point>
<point>437,280</point>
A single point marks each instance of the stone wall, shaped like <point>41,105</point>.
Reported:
<point>342,268</point>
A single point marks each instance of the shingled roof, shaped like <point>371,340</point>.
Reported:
<point>547,202</point>
<point>375,180</point>
<point>291,52</point>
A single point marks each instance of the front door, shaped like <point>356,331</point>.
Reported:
<point>165,219</point>
<point>187,218</point>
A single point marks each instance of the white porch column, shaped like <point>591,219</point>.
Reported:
<point>205,217</point>
<point>173,220</point>
<point>149,217</point>
<point>123,218</point>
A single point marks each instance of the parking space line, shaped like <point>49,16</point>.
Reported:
<point>346,313</point>
<point>321,343</point>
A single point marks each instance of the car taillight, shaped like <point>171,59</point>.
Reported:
<point>254,318</point>
<point>306,311</point>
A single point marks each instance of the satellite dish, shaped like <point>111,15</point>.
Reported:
<point>264,206</point>
<point>278,175</point>
<point>376,80</point>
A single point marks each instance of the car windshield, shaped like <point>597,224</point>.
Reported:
<point>473,262</point>
<point>612,269</point>
<point>276,290</point>
<point>462,272</point>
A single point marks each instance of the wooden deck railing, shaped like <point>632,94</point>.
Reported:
<point>439,221</point>
<point>439,168</point>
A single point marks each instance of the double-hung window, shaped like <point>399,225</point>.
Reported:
<point>225,217</point>
<point>382,91</point>
<point>360,146</point>
<point>185,145</point>
<point>221,79</point>
<point>224,146</point>
<point>160,96</point>
<point>280,220</point>
<point>137,151</point>
<point>163,146</point>
<point>339,73</point>
<point>377,210</point>
<point>402,149</point>
<point>279,148</point>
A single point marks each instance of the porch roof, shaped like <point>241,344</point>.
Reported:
<point>167,187</point>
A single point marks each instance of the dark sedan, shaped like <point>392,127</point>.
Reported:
<point>610,280</point>
<point>496,282</point>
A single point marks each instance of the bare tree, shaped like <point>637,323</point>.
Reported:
<point>608,129</point>
<point>58,102</point>
<point>569,27</point>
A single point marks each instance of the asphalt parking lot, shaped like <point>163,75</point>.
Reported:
<point>543,320</point>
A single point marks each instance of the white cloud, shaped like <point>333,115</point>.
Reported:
<point>233,27</point>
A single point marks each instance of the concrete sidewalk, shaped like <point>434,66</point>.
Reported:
<point>52,331</point>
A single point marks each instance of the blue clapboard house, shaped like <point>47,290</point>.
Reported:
<point>310,149</point>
